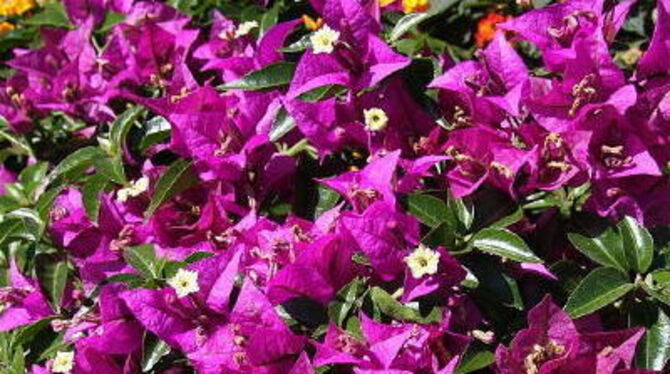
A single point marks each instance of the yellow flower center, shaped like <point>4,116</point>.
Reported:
<point>63,363</point>
<point>423,261</point>
<point>185,282</point>
<point>323,40</point>
<point>375,119</point>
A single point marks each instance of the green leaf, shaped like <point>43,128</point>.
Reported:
<point>395,309</point>
<point>429,210</point>
<point>599,288</point>
<point>143,259</point>
<point>26,333</point>
<point>271,76</point>
<point>112,168</point>
<point>322,93</point>
<point>45,201</point>
<point>510,219</point>
<point>653,351</point>
<point>475,361</point>
<point>111,19</point>
<point>338,310</point>
<point>637,243</point>
<point>154,350</point>
<point>270,17</point>
<point>30,223</point>
<point>197,256</point>
<point>176,179</point>
<point>504,243</point>
<point>465,213</point>
<point>120,128</point>
<point>605,249</point>
<point>157,130</point>
<point>79,160</point>
<point>33,176</point>
<point>52,14</point>
<point>281,126</point>
<point>91,195</point>
<point>327,200</point>
<point>410,20</point>
<point>657,285</point>
<point>53,277</point>
<point>299,46</point>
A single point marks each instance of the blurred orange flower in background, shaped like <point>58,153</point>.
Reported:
<point>6,27</point>
<point>10,8</point>
<point>486,28</point>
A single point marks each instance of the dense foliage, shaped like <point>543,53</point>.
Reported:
<point>335,186</point>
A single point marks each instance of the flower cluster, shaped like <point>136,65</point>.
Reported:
<point>292,195</point>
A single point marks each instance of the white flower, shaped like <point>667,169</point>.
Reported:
<point>63,363</point>
<point>185,282</point>
<point>135,189</point>
<point>423,261</point>
<point>375,119</point>
<point>323,40</point>
<point>245,28</point>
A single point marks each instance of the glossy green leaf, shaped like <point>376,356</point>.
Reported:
<point>504,243</point>
<point>79,160</point>
<point>143,259</point>
<point>605,249</point>
<point>599,288</point>
<point>112,168</point>
<point>272,76</point>
<point>53,278</point>
<point>395,309</point>
<point>475,361</point>
<point>154,350</point>
<point>91,195</point>
<point>653,351</point>
<point>120,128</point>
<point>177,178</point>
<point>429,210</point>
<point>281,126</point>
<point>637,243</point>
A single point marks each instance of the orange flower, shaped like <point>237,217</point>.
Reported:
<point>10,8</point>
<point>415,6</point>
<point>6,27</point>
<point>312,24</point>
<point>486,28</point>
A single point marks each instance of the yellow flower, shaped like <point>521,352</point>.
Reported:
<point>10,8</point>
<point>383,3</point>
<point>415,6</point>
<point>6,27</point>
<point>375,119</point>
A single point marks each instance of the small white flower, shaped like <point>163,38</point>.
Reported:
<point>63,363</point>
<point>423,261</point>
<point>245,28</point>
<point>185,282</point>
<point>135,189</point>
<point>375,119</point>
<point>323,40</point>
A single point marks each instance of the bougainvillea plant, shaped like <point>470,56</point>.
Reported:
<point>335,186</point>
